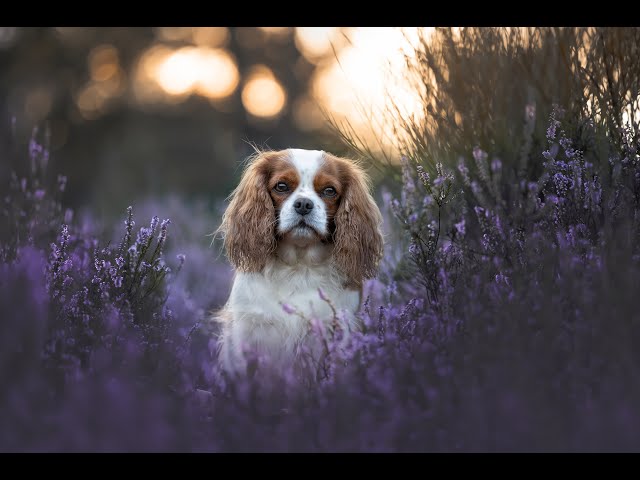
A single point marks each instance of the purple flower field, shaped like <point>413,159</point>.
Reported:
<point>503,317</point>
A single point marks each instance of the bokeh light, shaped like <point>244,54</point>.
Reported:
<point>90,101</point>
<point>210,72</point>
<point>174,34</point>
<point>276,30</point>
<point>178,73</point>
<point>103,62</point>
<point>210,36</point>
<point>315,43</point>
<point>262,95</point>
<point>350,73</point>
<point>107,81</point>
<point>146,90</point>
<point>357,74</point>
<point>218,74</point>
<point>368,79</point>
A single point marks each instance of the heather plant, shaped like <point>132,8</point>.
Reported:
<point>518,294</point>
<point>111,289</point>
<point>522,244</point>
<point>473,83</point>
<point>32,207</point>
<point>501,320</point>
<point>86,317</point>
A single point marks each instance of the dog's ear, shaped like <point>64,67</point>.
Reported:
<point>358,236</point>
<point>249,221</point>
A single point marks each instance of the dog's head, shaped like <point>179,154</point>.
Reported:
<point>304,197</point>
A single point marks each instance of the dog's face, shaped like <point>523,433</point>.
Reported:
<point>305,188</point>
<point>304,197</point>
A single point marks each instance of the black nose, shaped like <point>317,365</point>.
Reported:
<point>303,205</point>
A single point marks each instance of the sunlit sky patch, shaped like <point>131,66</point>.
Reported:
<point>367,78</point>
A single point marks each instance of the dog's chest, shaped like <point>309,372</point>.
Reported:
<point>271,296</point>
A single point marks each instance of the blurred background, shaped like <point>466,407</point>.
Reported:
<point>162,118</point>
<point>136,113</point>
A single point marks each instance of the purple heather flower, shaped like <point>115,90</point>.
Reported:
<point>424,176</point>
<point>553,199</point>
<point>565,142</point>
<point>163,231</point>
<point>35,148</point>
<point>438,181</point>
<point>479,155</point>
<point>554,150</point>
<point>62,183</point>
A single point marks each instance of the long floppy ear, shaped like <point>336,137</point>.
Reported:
<point>249,221</point>
<point>358,241</point>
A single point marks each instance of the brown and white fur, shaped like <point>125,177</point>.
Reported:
<point>299,221</point>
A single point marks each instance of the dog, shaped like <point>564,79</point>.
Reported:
<point>303,233</point>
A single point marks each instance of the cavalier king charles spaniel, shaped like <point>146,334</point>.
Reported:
<point>302,232</point>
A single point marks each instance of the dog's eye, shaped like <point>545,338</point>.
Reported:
<point>329,192</point>
<point>281,187</point>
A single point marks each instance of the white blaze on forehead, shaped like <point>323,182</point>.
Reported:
<point>307,162</point>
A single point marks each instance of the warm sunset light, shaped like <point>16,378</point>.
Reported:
<point>358,86</point>
<point>275,30</point>
<point>173,34</point>
<point>179,73</point>
<point>207,71</point>
<point>145,87</point>
<point>90,101</point>
<point>210,36</point>
<point>108,80</point>
<point>262,95</point>
<point>367,79</point>
<point>103,62</point>
<point>218,74</point>
<point>315,42</point>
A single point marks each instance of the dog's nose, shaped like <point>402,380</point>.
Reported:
<point>303,205</point>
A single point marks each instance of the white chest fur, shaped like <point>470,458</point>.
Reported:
<point>255,320</point>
